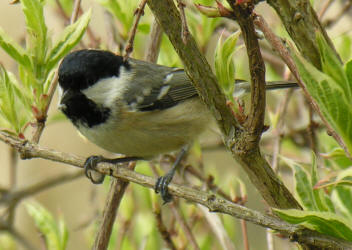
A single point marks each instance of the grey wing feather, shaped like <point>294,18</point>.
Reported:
<point>156,87</point>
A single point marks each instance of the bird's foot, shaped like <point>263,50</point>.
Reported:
<point>93,161</point>
<point>162,186</point>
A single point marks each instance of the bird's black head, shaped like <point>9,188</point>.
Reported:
<point>83,68</point>
<point>78,71</point>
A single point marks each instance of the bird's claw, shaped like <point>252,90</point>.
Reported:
<point>162,187</point>
<point>89,169</point>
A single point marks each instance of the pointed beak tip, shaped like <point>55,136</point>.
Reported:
<point>62,107</point>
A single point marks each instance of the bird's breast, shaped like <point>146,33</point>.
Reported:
<point>146,134</point>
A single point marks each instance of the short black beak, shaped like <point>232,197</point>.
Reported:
<point>66,96</point>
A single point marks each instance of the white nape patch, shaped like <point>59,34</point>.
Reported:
<point>163,91</point>
<point>168,77</point>
<point>108,90</point>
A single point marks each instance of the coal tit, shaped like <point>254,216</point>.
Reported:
<point>132,107</point>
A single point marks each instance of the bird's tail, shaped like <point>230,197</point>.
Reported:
<point>243,86</point>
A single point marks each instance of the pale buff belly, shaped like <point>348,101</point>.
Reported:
<point>148,134</point>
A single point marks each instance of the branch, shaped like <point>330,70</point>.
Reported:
<point>301,23</point>
<point>154,42</point>
<point>164,232</point>
<point>183,224</point>
<point>338,16</point>
<point>297,233</point>
<point>277,44</point>
<point>116,192</point>
<point>139,12</point>
<point>17,235</point>
<point>235,137</point>
<point>13,197</point>
<point>255,122</point>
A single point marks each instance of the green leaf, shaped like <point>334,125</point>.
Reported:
<point>21,93</point>
<point>331,97</point>
<point>334,153</point>
<point>7,100</point>
<point>348,72</point>
<point>201,26</point>
<point>322,201</point>
<point>68,39</point>
<point>36,28</point>
<point>302,185</point>
<point>342,198</point>
<point>342,192</point>
<point>14,105</point>
<point>123,12</point>
<point>323,222</point>
<point>343,44</point>
<point>332,66</point>
<point>56,234</point>
<point>224,64</point>
<point>14,50</point>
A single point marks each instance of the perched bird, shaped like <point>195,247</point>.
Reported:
<point>133,107</point>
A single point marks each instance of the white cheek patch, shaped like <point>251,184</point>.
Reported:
<point>108,90</point>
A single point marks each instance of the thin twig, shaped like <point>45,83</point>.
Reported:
<point>324,8</point>
<point>116,192</point>
<point>154,42</point>
<point>185,32</point>
<point>338,16</point>
<point>255,121</point>
<point>41,123</point>
<point>94,41</point>
<point>181,220</point>
<point>13,181</point>
<point>75,11</point>
<point>13,167</point>
<point>311,131</point>
<point>16,196</point>
<point>165,234</point>
<point>208,181</point>
<point>245,234</point>
<point>277,44</point>
<point>278,129</point>
<point>270,239</point>
<point>17,235</point>
<point>113,44</point>
<point>125,225</point>
<point>61,11</point>
<point>138,13</point>
<point>218,228</point>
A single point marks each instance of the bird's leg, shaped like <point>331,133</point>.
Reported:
<point>163,181</point>
<point>93,161</point>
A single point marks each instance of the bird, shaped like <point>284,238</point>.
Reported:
<point>133,107</point>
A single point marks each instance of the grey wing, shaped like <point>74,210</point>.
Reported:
<point>155,87</point>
